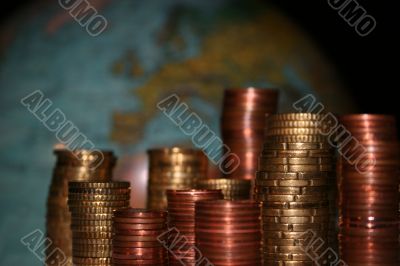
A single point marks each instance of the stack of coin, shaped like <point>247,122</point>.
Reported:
<point>181,210</point>
<point>79,165</point>
<point>233,189</point>
<point>139,237</point>
<point>368,191</point>
<point>173,168</point>
<point>92,205</point>
<point>228,232</point>
<point>291,184</point>
<point>243,125</point>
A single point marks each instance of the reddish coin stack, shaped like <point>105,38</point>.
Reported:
<point>368,191</point>
<point>139,235</point>
<point>243,125</point>
<point>228,232</point>
<point>181,211</point>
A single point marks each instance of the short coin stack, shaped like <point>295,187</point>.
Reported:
<point>233,189</point>
<point>368,190</point>
<point>173,168</point>
<point>228,232</point>
<point>92,205</point>
<point>291,184</point>
<point>243,125</point>
<point>79,165</point>
<point>139,237</point>
<point>181,210</point>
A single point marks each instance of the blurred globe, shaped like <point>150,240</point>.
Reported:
<point>109,85</point>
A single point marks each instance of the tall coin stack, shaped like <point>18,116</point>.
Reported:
<point>233,189</point>
<point>368,190</point>
<point>228,232</point>
<point>79,165</point>
<point>291,184</point>
<point>138,237</point>
<point>243,125</point>
<point>173,168</point>
<point>92,205</point>
<point>181,210</point>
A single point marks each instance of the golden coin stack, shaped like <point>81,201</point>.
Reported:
<point>92,205</point>
<point>173,168</point>
<point>79,165</point>
<point>292,185</point>
<point>232,189</point>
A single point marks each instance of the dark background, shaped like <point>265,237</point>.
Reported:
<point>366,64</point>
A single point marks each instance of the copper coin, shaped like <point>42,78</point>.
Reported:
<point>139,213</point>
<point>138,232</point>
<point>130,238</point>
<point>126,226</point>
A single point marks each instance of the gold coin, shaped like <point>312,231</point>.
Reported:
<point>294,227</point>
<point>90,210</point>
<point>91,247</point>
<point>86,235</point>
<point>92,254</point>
<point>297,145</point>
<point>288,235</point>
<point>292,190</point>
<point>281,249</point>
<point>274,131</point>
<point>97,197</point>
<point>105,191</point>
<point>291,183</point>
<point>76,222</point>
<point>91,261</point>
<point>294,117</point>
<point>296,219</point>
<point>295,198</point>
<point>279,242</point>
<point>308,262</point>
<point>294,123</point>
<point>295,205</point>
<point>286,256</point>
<point>296,153</point>
<point>93,241</point>
<point>295,138</point>
<point>83,203</point>
<point>81,228</point>
<point>295,161</point>
<point>296,168</point>
<point>115,184</point>
<point>262,175</point>
<point>92,216</point>
<point>294,212</point>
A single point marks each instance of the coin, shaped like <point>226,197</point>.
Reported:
<point>108,203</point>
<point>296,168</point>
<point>95,185</point>
<point>106,191</point>
<point>261,175</point>
<point>276,131</point>
<point>91,197</point>
<point>292,183</point>
<point>294,212</point>
<point>297,145</point>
